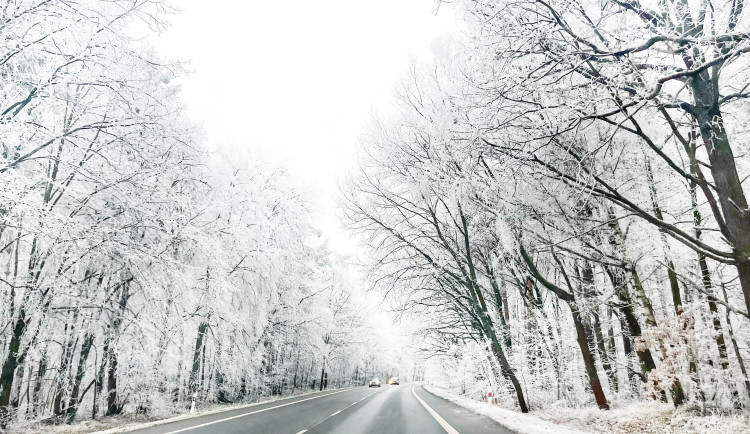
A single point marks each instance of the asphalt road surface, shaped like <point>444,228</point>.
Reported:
<point>388,409</point>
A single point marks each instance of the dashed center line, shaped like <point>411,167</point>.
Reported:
<point>334,414</point>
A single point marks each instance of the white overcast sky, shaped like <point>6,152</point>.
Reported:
<point>297,79</point>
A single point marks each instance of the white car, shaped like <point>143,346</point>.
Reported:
<point>375,382</point>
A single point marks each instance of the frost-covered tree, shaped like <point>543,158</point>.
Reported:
<point>573,140</point>
<point>139,265</point>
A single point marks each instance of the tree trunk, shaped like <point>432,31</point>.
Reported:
<point>731,196</point>
<point>322,373</point>
<point>100,377</point>
<point>70,412</point>
<point>603,353</point>
<point>678,394</point>
<point>671,273</point>
<point>15,399</point>
<point>617,276</point>
<point>737,353</point>
<point>587,279</point>
<point>195,370</point>
<point>112,407</point>
<point>9,367</point>
<point>501,304</point>
<point>632,326</point>
<point>508,373</point>
<point>582,336</point>
<point>66,359</point>
<point>708,286</point>
<point>37,395</point>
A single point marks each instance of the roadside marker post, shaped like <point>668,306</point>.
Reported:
<point>491,397</point>
<point>192,404</point>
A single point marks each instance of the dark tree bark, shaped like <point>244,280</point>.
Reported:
<point>9,367</point>
<point>70,412</point>
<point>199,343</point>
<point>582,332</point>
<point>113,407</point>
<point>734,207</point>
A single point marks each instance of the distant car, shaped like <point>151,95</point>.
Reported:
<point>393,381</point>
<point>375,382</point>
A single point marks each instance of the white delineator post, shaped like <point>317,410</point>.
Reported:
<point>490,397</point>
<point>192,404</point>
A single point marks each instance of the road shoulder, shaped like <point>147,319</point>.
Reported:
<point>512,420</point>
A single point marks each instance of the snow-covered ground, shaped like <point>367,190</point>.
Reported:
<point>650,417</point>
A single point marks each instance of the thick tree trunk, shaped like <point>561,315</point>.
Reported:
<point>603,353</point>
<point>39,378</point>
<point>708,285</point>
<point>70,412</point>
<point>729,189</point>
<point>65,361</point>
<point>195,370</point>
<point>587,279</point>
<point>15,399</point>
<point>582,336</point>
<point>9,367</point>
<point>508,373</point>
<point>323,374</point>
<point>98,387</point>
<point>112,406</point>
<point>619,283</point>
<point>633,328</point>
<point>488,330</point>
<point>501,304</point>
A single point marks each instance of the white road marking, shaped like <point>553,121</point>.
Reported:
<point>334,414</point>
<point>254,412</point>
<point>304,430</point>
<point>446,426</point>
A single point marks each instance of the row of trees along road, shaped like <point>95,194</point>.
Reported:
<point>136,268</point>
<point>563,188</point>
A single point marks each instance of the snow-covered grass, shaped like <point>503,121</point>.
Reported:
<point>649,417</point>
<point>129,422</point>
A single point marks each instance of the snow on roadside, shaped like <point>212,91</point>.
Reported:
<point>648,417</point>
<point>523,423</point>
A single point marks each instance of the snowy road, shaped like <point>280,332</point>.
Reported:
<point>390,409</point>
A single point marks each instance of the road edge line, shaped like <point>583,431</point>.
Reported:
<point>252,412</point>
<point>446,426</point>
<point>220,409</point>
